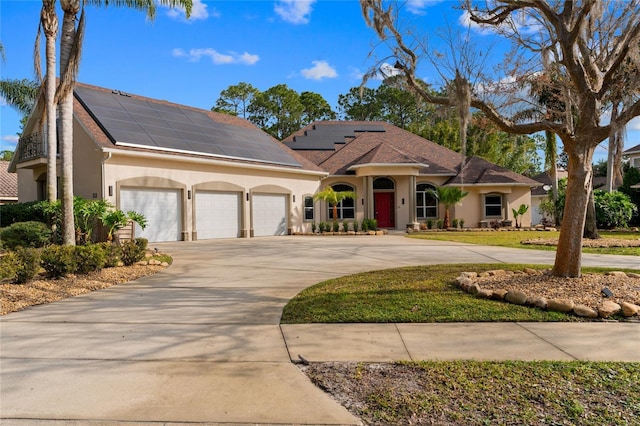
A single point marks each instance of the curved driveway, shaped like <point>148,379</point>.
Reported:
<point>200,342</point>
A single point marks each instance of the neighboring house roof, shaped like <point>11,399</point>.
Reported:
<point>339,147</point>
<point>545,179</point>
<point>633,150</point>
<point>8,182</point>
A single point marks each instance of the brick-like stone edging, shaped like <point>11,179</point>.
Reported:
<point>605,310</point>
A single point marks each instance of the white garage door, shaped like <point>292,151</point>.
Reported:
<point>269,213</point>
<point>218,215</point>
<point>161,208</point>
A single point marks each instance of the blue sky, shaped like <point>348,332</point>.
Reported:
<point>320,46</point>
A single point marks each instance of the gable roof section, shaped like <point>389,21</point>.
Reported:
<point>372,142</point>
<point>127,122</point>
<point>545,179</point>
<point>478,171</point>
<point>8,182</point>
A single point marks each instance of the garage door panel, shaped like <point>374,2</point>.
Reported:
<point>218,215</point>
<point>269,213</point>
<point>160,207</point>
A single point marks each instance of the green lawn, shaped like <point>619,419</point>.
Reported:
<point>513,239</point>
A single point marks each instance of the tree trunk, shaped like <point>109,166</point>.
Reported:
<point>568,261</point>
<point>591,226</point>
<point>446,221</point>
<point>66,132</point>
<point>50,25</point>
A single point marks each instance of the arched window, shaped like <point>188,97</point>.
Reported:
<point>383,183</point>
<point>346,207</point>
<point>426,203</point>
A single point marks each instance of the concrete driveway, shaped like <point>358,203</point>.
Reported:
<point>200,342</point>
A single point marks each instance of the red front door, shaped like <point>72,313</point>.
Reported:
<point>385,209</point>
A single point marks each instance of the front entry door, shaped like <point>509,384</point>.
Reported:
<point>384,209</point>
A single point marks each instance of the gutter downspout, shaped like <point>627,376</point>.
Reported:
<point>104,160</point>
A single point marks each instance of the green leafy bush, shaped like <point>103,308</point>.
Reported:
<point>336,226</point>
<point>134,251</point>
<point>28,264</point>
<point>613,209</point>
<point>429,223</point>
<point>314,227</point>
<point>455,223</point>
<point>26,234</point>
<point>58,260</point>
<point>89,258</point>
<point>355,226</point>
<point>345,226</point>
<point>111,252</point>
<point>33,211</point>
<point>9,263</point>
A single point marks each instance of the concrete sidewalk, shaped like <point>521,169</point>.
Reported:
<point>201,343</point>
<point>464,341</point>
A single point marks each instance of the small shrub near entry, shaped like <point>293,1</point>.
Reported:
<point>25,234</point>
<point>365,225</point>
<point>58,261</point>
<point>439,223</point>
<point>336,226</point>
<point>133,251</point>
<point>429,223</point>
<point>461,223</point>
<point>28,264</point>
<point>345,226</point>
<point>314,226</point>
<point>355,226</point>
<point>454,223</point>
<point>89,258</point>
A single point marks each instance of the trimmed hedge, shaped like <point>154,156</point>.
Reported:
<point>25,234</point>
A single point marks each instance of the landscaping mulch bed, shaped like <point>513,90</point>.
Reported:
<point>16,297</point>
<point>599,243</point>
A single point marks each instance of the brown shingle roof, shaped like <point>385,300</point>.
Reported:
<point>8,181</point>
<point>545,179</point>
<point>633,150</point>
<point>393,145</point>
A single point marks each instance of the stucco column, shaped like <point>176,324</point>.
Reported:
<point>369,212</point>
<point>413,219</point>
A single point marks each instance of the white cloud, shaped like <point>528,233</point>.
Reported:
<point>417,7</point>
<point>198,11</point>
<point>9,142</point>
<point>216,57</point>
<point>634,125</point>
<point>294,11</point>
<point>320,70</point>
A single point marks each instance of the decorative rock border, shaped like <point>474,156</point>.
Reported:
<point>607,309</point>
<point>318,234</point>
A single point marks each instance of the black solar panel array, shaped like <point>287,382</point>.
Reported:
<point>323,137</point>
<point>130,121</point>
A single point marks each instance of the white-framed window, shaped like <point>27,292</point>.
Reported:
<point>308,208</point>
<point>346,207</point>
<point>636,162</point>
<point>426,203</point>
<point>493,205</point>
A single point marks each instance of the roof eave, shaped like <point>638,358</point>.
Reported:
<point>388,165</point>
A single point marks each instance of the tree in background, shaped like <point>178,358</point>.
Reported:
<point>235,100</point>
<point>315,108</point>
<point>597,53</point>
<point>360,104</point>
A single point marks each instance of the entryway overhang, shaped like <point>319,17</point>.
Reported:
<point>388,169</point>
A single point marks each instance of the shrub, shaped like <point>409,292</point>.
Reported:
<point>336,226</point>
<point>461,223</point>
<point>9,264</point>
<point>439,223</point>
<point>26,234</point>
<point>613,209</point>
<point>111,254</point>
<point>345,226</point>
<point>58,260</point>
<point>89,258</point>
<point>323,227</point>
<point>365,225</point>
<point>355,226</point>
<point>369,224</point>
<point>429,223</point>
<point>134,251</point>
<point>314,226</point>
<point>28,264</point>
<point>33,211</point>
<point>455,223</point>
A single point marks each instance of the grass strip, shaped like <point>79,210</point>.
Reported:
<point>481,393</point>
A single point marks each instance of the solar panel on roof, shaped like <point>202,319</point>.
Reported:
<point>130,121</point>
<point>323,136</point>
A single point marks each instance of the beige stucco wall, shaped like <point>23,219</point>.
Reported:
<point>87,167</point>
<point>471,209</point>
<point>126,171</point>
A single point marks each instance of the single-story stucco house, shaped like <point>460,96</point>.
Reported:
<point>392,171</point>
<point>197,174</point>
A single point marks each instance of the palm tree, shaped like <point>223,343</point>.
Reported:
<point>333,198</point>
<point>449,196</point>
<point>70,49</point>
<point>49,25</point>
<point>20,94</point>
